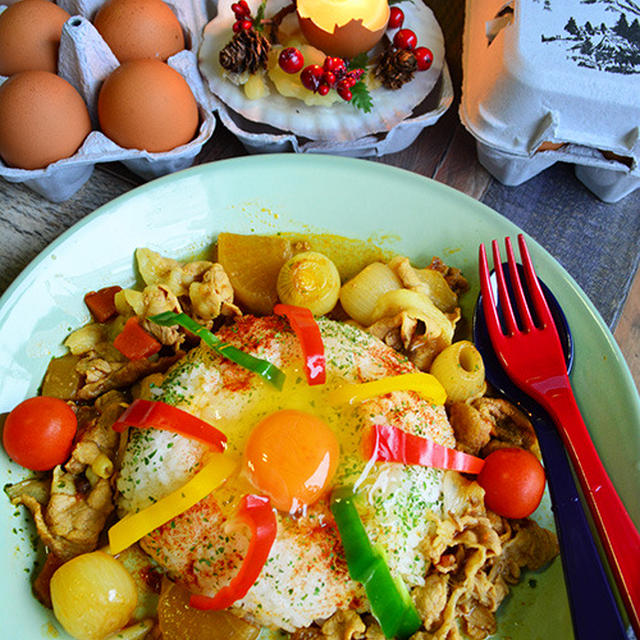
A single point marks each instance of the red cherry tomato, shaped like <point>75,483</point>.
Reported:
<point>38,433</point>
<point>513,480</point>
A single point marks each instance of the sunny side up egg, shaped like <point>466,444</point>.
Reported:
<point>305,577</point>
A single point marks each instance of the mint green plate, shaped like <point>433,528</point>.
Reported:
<point>181,214</point>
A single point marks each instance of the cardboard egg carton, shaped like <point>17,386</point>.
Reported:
<point>548,81</point>
<point>85,60</point>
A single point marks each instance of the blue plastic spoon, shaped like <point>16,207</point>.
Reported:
<point>594,611</point>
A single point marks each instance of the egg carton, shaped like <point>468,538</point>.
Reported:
<point>548,82</point>
<point>85,60</point>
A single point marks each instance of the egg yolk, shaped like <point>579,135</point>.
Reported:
<point>291,456</point>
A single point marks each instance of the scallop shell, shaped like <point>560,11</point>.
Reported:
<point>341,122</point>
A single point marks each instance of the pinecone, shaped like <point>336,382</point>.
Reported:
<point>247,51</point>
<point>395,67</point>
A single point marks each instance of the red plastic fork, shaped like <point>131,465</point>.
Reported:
<point>533,358</point>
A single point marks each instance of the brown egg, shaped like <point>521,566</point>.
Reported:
<point>343,28</point>
<point>30,36</point>
<point>42,119</point>
<point>145,104</point>
<point>136,29</point>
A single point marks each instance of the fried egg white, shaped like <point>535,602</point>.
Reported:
<point>305,577</point>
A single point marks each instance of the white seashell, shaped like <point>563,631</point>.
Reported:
<point>341,122</point>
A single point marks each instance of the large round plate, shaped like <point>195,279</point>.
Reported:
<point>182,213</point>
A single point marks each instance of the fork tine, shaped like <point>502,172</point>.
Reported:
<point>503,292</point>
<point>488,303</point>
<point>523,307</point>
<point>537,296</point>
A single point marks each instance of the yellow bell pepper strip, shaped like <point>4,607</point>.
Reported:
<point>258,514</point>
<point>387,443</point>
<point>263,368</point>
<point>389,597</point>
<point>423,383</point>
<point>146,414</point>
<point>134,527</point>
<point>307,331</point>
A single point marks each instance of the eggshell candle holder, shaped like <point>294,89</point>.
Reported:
<point>85,60</point>
<point>359,28</point>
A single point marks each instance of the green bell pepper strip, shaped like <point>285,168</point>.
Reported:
<point>389,597</point>
<point>263,368</point>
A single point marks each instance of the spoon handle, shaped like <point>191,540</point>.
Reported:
<point>619,536</point>
<point>593,606</point>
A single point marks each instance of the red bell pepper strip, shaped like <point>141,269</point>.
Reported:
<point>306,329</point>
<point>263,368</point>
<point>134,342</point>
<point>258,514</point>
<point>390,444</point>
<point>101,303</point>
<point>159,415</point>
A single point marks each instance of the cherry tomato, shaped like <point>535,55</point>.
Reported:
<point>38,433</point>
<point>513,480</point>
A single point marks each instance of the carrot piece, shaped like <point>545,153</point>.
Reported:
<point>134,342</point>
<point>101,303</point>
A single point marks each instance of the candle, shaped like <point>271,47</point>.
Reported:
<point>343,28</point>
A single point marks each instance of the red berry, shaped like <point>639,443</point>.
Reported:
<point>291,60</point>
<point>241,9</point>
<point>329,78</point>
<point>323,89</point>
<point>242,25</point>
<point>336,65</point>
<point>405,39</point>
<point>344,90</point>
<point>396,18</point>
<point>424,58</point>
<point>311,77</point>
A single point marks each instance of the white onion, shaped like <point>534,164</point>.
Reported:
<point>93,596</point>
<point>360,295</point>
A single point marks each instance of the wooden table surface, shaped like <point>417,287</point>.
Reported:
<point>445,152</point>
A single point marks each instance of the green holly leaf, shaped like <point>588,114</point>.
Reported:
<point>359,62</point>
<point>257,21</point>
<point>361,97</point>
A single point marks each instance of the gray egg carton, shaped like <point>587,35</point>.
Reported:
<point>561,72</point>
<point>85,60</point>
